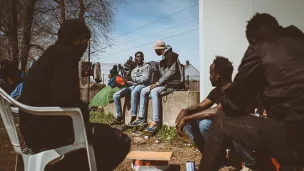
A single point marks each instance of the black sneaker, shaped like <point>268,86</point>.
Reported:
<point>117,121</point>
<point>138,122</point>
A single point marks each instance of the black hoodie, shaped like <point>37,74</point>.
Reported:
<point>275,68</point>
<point>52,81</point>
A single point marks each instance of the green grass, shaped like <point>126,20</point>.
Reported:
<point>101,117</point>
<point>167,133</point>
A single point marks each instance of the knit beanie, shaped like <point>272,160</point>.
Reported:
<point>159,45</point>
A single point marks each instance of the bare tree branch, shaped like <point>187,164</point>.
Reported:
<point>37,46</point>
<point>62,11</point>
<point>82,9</point>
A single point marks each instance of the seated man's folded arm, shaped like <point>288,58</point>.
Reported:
<point>205,114</point>
<point>205,104</point>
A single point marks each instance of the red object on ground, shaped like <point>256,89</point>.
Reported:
<point>148,163</point>
<point>275,163</point>
<point>139,163</point>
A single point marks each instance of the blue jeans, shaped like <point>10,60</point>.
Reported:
<point>198,132</point>
<point>134,91</point>
<point>156,102</point>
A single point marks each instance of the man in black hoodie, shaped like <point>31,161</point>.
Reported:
<point>273,65</point>
<point>54,81</point>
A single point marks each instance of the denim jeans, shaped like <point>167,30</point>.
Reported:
<point>156,102</point>
<point>281,140</point>
<point>198,131</point>
<point>134,91</point>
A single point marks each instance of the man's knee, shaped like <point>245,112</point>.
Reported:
<point>116,96</point>
<point>145,91</point>
<point>204,126</point>
<point>154,93</point>
<point>135,93</point>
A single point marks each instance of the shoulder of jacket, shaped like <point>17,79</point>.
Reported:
<point>171,54</point>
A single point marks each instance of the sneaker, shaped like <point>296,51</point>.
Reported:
<point>117,121</point>
<point>154,127</point>
<point>138,122</point>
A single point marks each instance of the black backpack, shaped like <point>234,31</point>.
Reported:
<point>155,71</point>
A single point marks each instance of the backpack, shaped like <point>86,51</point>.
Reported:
<point>178,84</point>
<point>155,71</point>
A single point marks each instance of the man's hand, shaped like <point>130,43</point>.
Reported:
<point>181,115</point>
<point>129,83</point>
<point>152,86</point>
<point>179,127</point>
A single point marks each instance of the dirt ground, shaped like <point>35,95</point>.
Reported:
<point>181,148</point>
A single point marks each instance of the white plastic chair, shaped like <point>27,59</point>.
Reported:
<point>37,162</point>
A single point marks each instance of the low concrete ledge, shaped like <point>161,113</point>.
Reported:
<point>171,106</point>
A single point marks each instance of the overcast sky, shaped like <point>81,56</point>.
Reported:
<point>174,21</point>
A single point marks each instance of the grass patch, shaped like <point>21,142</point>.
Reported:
<point>167,133</point>
<point>101,117</point>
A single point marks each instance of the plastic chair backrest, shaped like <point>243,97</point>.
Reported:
<point>7,116</point>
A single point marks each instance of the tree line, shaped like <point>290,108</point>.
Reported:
<point>28,27</point>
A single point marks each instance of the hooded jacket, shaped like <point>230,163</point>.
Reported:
<point>275,68</point>
<point>52,81</point>
<point>169,67</point>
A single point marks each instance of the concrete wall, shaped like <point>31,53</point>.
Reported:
<point>222,28</point>
<point>172,104</point>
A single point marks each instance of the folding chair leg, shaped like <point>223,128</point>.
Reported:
<point>19,163</point>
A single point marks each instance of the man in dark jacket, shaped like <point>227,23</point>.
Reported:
<point>54,81</point>
<point>170,72</point>
<point>273,65</point>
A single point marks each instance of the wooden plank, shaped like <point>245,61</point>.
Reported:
<point>149,155</point>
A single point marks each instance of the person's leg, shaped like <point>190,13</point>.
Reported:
<point>135,99</point>
<point>156,100</point>
<point>278,139</point>
<point>143,107</point>
<point>192,130</point>
<point>204,128</point>
<point>247,156</point>
<point>118,95</point>
<point>111,146</point>
<point>156,110</point>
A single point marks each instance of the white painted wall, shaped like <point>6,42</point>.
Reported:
<point>222,28</point>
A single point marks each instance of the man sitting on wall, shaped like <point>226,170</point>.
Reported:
<point>141,77</point>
